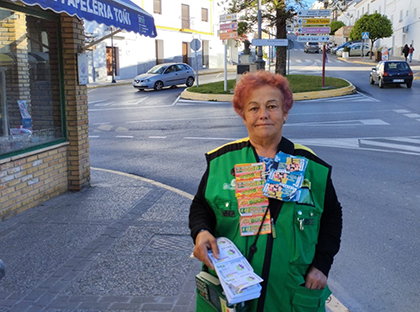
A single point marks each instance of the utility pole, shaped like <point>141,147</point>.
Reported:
<point>260,62</point>
<point>113,58</point>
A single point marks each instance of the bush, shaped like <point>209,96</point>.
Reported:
<point>346,49</point>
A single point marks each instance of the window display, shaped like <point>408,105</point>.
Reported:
<point>30,105</point>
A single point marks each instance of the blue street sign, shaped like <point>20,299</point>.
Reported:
<point>365,35</point>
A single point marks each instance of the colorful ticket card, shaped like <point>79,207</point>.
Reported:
<point>252,205</point>
<point>250,225</point>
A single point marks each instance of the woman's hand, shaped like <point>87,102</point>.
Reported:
<point>203,242</point>
<point>315,279</point>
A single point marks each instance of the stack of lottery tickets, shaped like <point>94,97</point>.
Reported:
<point>252,203</point>
<point>236,275</point>
<point>285,178</point>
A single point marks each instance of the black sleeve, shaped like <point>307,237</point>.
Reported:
<point>201,215</point>
<point>330,231</point>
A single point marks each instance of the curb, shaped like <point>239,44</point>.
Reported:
<point>187,95</point>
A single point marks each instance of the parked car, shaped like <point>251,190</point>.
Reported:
<point>391,72</point>
<point>311,47</point>
<point>341,46</point>
<point>356,49</point>
<point>165,75</point>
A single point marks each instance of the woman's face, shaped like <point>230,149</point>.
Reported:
<point>263,114</point>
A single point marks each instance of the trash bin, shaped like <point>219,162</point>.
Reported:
<point>378,56</point>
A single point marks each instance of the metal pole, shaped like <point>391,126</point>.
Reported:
<point>323,65</point>
<point>260,62</point>
<point>196,67</point>
<point>112,55</point>
<point>225,84</point>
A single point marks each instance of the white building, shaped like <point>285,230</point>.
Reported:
<point>177,23</point>
<point>403,14</point>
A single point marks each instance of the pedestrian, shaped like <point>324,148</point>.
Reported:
<point>410,52</point>
<point>405,52</point>
<point>295,256</point>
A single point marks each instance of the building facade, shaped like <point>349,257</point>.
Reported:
<point>177,23</point>
<point>403,14</point>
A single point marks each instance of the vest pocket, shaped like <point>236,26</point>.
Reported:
<point>310,300</point>
<point>306,219</point>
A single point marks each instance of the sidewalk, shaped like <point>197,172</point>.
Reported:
<point>122,244</point>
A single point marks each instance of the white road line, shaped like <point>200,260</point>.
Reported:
<point>124,108</point>
<point>412,115</point>
<point>406,140</point>
<point>176,101</point>
<point>391,145</point>
<point>157,137</point>
<point>368,97</point>
<point>105,127</point>
<point>181,119</point>
<point>124,136</point>
<point>210,139</point>
<point>401,111</point>
<point>93,136</point>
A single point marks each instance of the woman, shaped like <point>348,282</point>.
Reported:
<point>405,52</point>
<point>295,258</point>
<point>410,52</point>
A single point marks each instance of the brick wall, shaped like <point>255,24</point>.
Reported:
<point>76,105</point>
<point>30,179</point>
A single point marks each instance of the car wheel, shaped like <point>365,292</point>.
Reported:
<point>158,85</point>
<point>371,80</point>
<point>190,81</point>
<point>409,84</point>
<point>381,83</point>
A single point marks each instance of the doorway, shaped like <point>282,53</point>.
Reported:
<point>111,52</point>
<point>185,52</point>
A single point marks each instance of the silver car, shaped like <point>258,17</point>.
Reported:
<point>165,75</point>
<point>356,49</point>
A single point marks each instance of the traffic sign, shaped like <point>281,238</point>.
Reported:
<point>228,35</point>
<point>270,42</point>
<point>314,21</point>
<point>228,18</point>
<point>195,44</point>
<point>313,13</point>
<point>229,26</point>
<point>365,35</point>
<point>322,38</point>
<point>314,30</point>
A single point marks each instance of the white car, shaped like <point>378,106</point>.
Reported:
<point>165,75</point>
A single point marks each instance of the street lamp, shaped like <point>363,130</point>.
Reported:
<point>112,56</point>
<point>260,62</point>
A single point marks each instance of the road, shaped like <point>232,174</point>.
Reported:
<point>372,139</point>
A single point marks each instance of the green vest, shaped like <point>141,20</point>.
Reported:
<point>296,227</point>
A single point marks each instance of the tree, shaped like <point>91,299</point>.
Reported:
<point>378,26</point>
<point>275,14</point>
<point>335,25</point>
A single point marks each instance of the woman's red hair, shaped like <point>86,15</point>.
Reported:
<point>252,81</point>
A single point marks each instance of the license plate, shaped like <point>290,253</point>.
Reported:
<point>398,80</point>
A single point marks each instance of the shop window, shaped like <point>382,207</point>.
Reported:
<point>30,105</point>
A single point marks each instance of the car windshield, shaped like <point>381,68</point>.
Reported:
<point>396,66</point>
<point>158,69</point>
